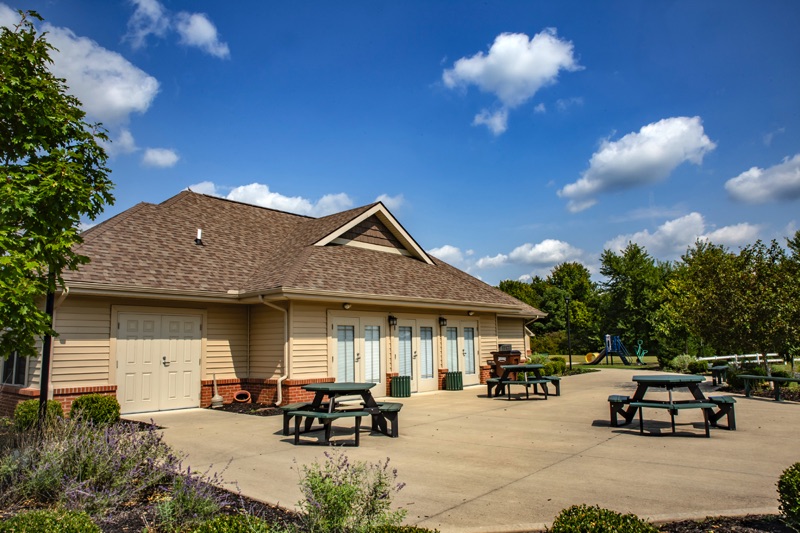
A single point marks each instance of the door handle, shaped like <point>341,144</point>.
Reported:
<point>358,357</point>
<point>415,355</point>
<point>164,361</point>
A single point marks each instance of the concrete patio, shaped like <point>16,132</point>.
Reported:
<point>474,464</point>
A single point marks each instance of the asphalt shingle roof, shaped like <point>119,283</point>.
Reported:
<point>250,249</point>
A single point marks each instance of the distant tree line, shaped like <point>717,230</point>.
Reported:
<point>713,301</point>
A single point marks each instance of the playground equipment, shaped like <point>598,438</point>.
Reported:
<point>613,346</point>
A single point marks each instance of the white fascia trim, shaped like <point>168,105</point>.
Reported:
<point>394,226</point>
<point>368,246</point>
<point>97,289</point>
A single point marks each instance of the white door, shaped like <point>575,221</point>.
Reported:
<point>158,362</point>
<point>461,347</point>
<point>469,353</point>
<point>358,351</point>
<point>416,354</point>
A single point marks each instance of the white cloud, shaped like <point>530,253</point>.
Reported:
<point>194,29</point>
<point>160,157</point>
<point>122,143</point>
<point>108,85</point>
<point>497,122</point>
<point>8,17</point>
<point>548,252</point>
<point>149,18</point>
<point>671,239</point>
<point>777,183</point>
<point>205,187</point>
<point>768,137</point>
<point>197,30</point>
<point>564,104</point>
<point>514,69</point>
<point>642,157</point>
<point>493,261</point>
<point>525,278</point>
<point>540,108</point>
<point>449,254</point>
<point>259,194</point>
<point>391,202</point>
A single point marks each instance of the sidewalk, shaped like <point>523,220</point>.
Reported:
<point>473,464</point>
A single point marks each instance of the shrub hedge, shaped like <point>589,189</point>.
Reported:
<point>26,413</point>
<point>789,495</point>
<point>51,521</point>
<point>99,409</point>
<point>594,519</point>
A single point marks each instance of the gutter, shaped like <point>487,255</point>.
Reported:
<point>285,375</point>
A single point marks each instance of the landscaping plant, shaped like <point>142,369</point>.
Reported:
<point>51,521</point>
<point>99,409</point>
<point>345,497</point>
<point>26,414</point>
<point>789,496</point>
<point>594,519</point>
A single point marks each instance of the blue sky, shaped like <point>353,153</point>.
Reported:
<point>507,137</point>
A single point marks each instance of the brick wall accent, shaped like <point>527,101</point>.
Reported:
<point>486,373</point>
<point>389,376</point>
<point>261,390</point>
<point>441,377</point>
<point>11,396</point>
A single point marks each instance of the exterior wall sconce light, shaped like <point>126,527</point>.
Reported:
<point>199,239</point>
<point>346,305</point>
<point>392,320</point>
<point>442,321</point>
<point>470,313</point>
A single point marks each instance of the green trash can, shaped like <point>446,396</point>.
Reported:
<point>401,386</point>
<point>453,381</point>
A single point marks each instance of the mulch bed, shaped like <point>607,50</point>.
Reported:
<point>257,409</point>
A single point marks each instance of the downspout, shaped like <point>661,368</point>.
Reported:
<point>285,375</point>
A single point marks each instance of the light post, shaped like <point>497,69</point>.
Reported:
<point>569,340</point>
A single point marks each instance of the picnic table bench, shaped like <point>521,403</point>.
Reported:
<point>327,419</point>
<point>777,380</point>
<point>719,374</point>
<point>673,408</point>
<point>519,373</point>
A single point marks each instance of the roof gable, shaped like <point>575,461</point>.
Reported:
<point>376,229</point>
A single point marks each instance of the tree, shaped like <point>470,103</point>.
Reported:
<point>53,173</point>
<point>632,294</point>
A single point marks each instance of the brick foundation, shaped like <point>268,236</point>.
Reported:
<point>389,376</point>
<point>261,390</point>
<point>10,396</point>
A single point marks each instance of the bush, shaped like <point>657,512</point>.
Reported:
<point>698,367</point>
<point>84,467</point>
<point>192,499</point>
<point>239,523</point>
<point>681,363</point>
<point>96,408</point>
<point>26,414</point>
<point>733,374</point>
<point>789,495</point>
<point>344,496</point>
<point>50,521</point>
<point>593,519</point>
<point>556,366</point>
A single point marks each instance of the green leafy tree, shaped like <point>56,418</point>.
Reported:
<point>53,172</point>
<point>633,292</point>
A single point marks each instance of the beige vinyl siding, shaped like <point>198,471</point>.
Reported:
<point>309,340</point>
<point>511,331</point>
<point>488,329</point>
<point>266,342</point>
<point>226,342</point>
<point>81,352</point>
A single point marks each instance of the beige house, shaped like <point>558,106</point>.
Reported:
<point>199,287</point>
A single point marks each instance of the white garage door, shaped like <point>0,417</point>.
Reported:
<point>158,362</point>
